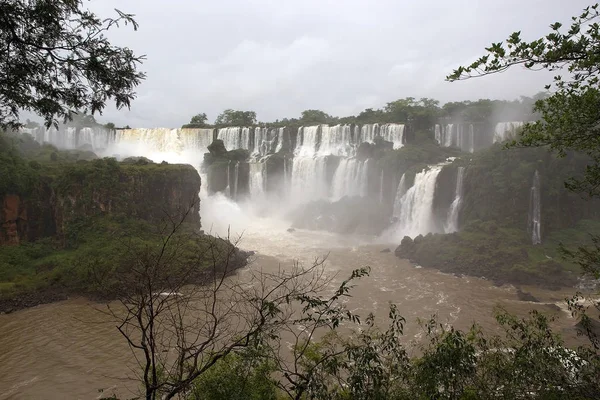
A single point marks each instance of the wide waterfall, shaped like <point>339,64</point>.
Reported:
<point>416,205</point>
<point>535,212</point>
<point>231,138</point>
<point>336,140</point>
<point>452,221</point>
<point>96,138</point>
<point>506,130</point>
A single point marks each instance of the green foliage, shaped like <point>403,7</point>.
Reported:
<point>569,116</point>
<point>17,176</point>
<point>231,117</point>
<point>315,117</point>
<point>55,58</point>
<point>243,376</point>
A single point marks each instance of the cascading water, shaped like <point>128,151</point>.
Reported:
<point>258,179</point>
<point>231,137</point>
<point>416,206</point>
<point>448,135</point>
<point>400,191</point>
<point>471,139</point>
<point>452,221</point>
<point>381,188</point>
<point>228,188</point>
<point>350,179</point>
<point>280,133</point>
<point>308,179</point>
<point>438,133</point>
<point>336,140</point>
<point>236,175</point>
<point>506,130</point>
<point>97,139</point>
<point>535,212</point>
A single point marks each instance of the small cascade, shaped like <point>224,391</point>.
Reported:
<point>393,133</point>
<point>285,175</point>
<point>438,133</point>
<point>308,179</point>
<point>258,180</point>
<point>452,221</point>
<point>97,139</point>
<point>471,139</point>
<point>228,188</point>
<point>448,135</point>
<point>416,206</point>
<point>381,188</point>
<point>231,137</point>
<point>307,147</point>
<point>400,191</point>
<point>350,179</point>
<point>535,212</point>
<point>336,140</point>
<point>236,175</point>
<point>506,130</point>
<point>280,133</point>
<point>244,139</point>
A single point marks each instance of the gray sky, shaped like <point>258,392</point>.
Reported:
<point>281,57</point>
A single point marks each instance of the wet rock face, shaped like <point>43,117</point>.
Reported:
<point>141,191</point>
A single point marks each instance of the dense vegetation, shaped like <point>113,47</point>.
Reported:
<point>55,60</point>
<point>83,219</point>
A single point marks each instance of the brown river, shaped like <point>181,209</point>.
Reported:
<point>71,350</point>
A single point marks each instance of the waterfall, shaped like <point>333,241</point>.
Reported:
<point>280,134</point>
<point>285,175</point>
<point>506,130</point>
<point>448,135</point>
<point>231,137</point>
<point>393,133</point>
<point>336,140</point>
<point>97,139</point>
<point>438,133</point>
<point>535,215</point>
<point>236,175</point>
<point>452,221</point>
<point>244,139</point>
<point>308,179</point>
<point>471,139</point>
<point>228,188</point>
<point>416,211</point>
<point>350,179</point>
<point>307,147</point>
<point>258,179</point>
<point>400,191</point>
<point>381,188</point>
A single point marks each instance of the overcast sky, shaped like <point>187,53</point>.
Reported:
<point>341,56</point>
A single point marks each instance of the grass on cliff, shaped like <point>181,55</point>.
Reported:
<point>94,255</point>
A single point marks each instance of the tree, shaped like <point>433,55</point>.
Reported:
<point>231,117</point>
<point>315,117</point>
<point>110,126</point>
<point>199,119</point>
<point>183,318</point>
<point>569,115</point>
<point>55,59</point>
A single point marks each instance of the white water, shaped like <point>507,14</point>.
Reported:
<point>236,175</point>
<point>67,137</point>
<point>350,179</point>
<point>231,137</point>
<point>308,179</point>
<point>506,130</point>
<point>416,205</point>
<point>471,139</point>
<point>258,180</point>
<point>381,188</point>
<point>400,191</point>
<point>336,140</point>
<point>535,213</point>
<point>452,221</point>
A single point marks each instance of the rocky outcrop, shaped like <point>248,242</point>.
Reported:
<point>64,195</point>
